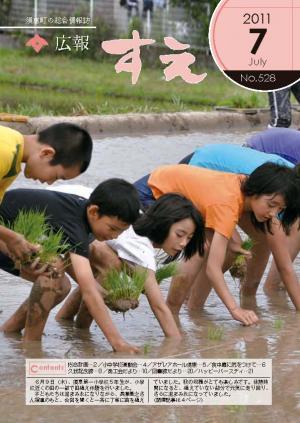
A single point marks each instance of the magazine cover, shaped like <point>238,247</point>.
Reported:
<point>149,207</point>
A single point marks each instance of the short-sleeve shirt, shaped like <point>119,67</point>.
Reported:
<point>63,211</point>
<point>11,153</point>
<point>129,246</point>
<point>134,248</point>
<point>233,158</point>
<point>217,195</point>
<point>282,141</point>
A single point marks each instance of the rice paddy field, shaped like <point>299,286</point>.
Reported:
<point>209,333</point>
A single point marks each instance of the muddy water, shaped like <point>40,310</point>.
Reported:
<point>132,158</point>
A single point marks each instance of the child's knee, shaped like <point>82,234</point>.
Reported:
<point>60,287</point>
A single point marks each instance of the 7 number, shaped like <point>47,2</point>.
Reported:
<point>262,32</point>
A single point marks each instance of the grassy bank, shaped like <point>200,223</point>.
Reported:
<point>57,85</point>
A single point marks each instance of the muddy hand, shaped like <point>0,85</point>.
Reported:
<point>247,317</point>
<point>56,268</point>
<point>126,348</point>
<point>19,248</point>
<point>33,270</point>
<point>237,249</point>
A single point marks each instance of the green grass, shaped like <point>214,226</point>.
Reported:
<point>59,85</point>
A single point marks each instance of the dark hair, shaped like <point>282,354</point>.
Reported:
<point>118,198</point>
<point>72,144</point>
<point>272,178</point>
<point>157,220</point>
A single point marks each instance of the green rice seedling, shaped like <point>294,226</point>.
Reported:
<point>166,272</point>
<point>237,354</point>
<point>53,245</point>
<point>123,290</point>
<point>146,349</point>
<point>215,333</point>
<point>30,224</point>
<point>278,323</point>
<point>236,408</point>
<point>239,267</point>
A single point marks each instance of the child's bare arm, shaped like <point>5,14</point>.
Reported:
<point>96,305</point>
<point>214,272</point>
<point>279,246</point>
<point>159,306</point>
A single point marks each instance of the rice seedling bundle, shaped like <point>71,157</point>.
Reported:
<point>123,289</point>
<point>33,226</point>
<point>238,269</point>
